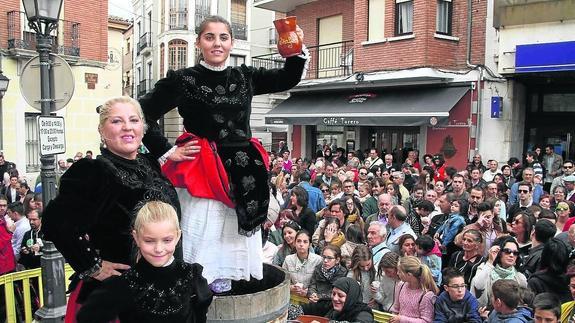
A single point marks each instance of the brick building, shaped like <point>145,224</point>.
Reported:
<point>393,75</point>
<point>83,42</point>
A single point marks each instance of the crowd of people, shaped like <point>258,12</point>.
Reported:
<point>424,240</point>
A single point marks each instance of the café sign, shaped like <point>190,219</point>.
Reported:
<point>340,121</point>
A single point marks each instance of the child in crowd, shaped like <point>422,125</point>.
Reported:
<point>387,278</point>
<point>430,254</point>
<point>158,288</point>
<point>456,304</point>
<point>362,271</point>
<point>455,222</point>
<point>505,300</point>
<point>415,295</point>
<point>547,308</point>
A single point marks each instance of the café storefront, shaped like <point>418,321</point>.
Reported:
<point>393,120</point>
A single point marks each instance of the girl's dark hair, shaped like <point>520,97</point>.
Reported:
<point>354,234</point>
<point>404,238</point>
<point>425,242</point>
<point>361,253</point>
<point>555,257</point>
<point>335,249</point>
<point>292,225</point>
<point>528,223</point>
<point>301,196</point>
<point>303,231</point>
<point>463,207</point>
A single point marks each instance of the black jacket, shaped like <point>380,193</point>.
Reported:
<point>543,281</point>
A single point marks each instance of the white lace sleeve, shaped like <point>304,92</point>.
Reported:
<point>164,158</point>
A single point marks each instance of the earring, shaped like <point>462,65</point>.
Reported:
<point>103,143</point>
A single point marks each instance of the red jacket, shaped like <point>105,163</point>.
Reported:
<point>7,260</point>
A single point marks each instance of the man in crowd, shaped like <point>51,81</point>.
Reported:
<point>389,164</point>
<point>384,204</point>
<point>315,200</point>
<point>569,182</point>
<point>398,227</point>
<point>421,210</point>
<point>374,159</point>
<point>31,248</point>
<point>21,226</point>
<point>398,179</point>
<point>376,233</point>
<point>543,231</point>
<point>13,191</point>
<point>568,168</point>
<point>444,203</point>
<point>536,189</point>
<point>477,163</point>
<point>476,180</point>
<point>492,171</point>
<point>476,196</point>
<point>552,163</point>
<point>326,178</point>
<point>525,200</point>
<point>5,166</point>
<point>458,185</point>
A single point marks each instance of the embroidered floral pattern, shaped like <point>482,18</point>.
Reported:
<point>248,183</point>
<point>242,159</point>
<point>252,207</point>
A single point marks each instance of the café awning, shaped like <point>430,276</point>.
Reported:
<point>389,107</point>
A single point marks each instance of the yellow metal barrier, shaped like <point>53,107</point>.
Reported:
<point>8,281</point>
<point>378,316</point>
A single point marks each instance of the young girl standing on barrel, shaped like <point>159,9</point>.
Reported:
<point>223,190</point>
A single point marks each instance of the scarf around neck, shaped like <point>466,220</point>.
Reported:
<point>502,273</point>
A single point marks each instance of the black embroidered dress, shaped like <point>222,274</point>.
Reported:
<point>171,294</point>
<point>91,218</point>
<point>216,105</point>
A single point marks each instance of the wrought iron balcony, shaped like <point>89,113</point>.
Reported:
<point>240,31</point>
<point>145,42</point>
<point>329,60</point>
<point>178,19</point>
<point>20,37</point>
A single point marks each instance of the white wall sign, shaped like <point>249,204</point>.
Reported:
<point>52,135</point>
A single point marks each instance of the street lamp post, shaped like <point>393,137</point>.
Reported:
<point>43,19</point>
<point>3,88</point>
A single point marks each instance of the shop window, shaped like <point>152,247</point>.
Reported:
<point>559,102</point>
<point>443,19</point>
<point>403,17</point>
<point>332,137</point>
<point>177,54</point>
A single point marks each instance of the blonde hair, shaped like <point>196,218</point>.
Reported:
<point>104,109</point>
<point>412,265</point>
<point>154,212</point>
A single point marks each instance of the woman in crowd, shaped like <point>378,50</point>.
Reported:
<point>368,202</point>
<point>330,233</point>
<point>485,225</point>
<point>301,264</point>
<point>415,294</point>
<point>221,217</point>
<point>289,231</point>
<point>276,231</point>
<point>29,203</point>
<point>545,201</point>
<point>468,260</point>
<point>439,187</point>
<point>387,276</point>
<point>551,274</point>
<point>345,306</point>
<point>521,228</point>
<point>354,237</point>
<point>502,264</point>
<point>362,271</point>
<point>90,219</point>
<point>558,196</point>
<point>335,189</point>
<point>352,211</point>
<point>326,192</point>
<point>407,245</point>
<point>562,211</point>
<point>378,187</point>
<point>393,190</point>
<point>304,215</point>
<point>325,274</point>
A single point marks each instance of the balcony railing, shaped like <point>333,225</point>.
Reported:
<point>329,60</point>
<point>144,42</point>
<point>240,31</point>
<point>66,42</point>
<point>178,19</point>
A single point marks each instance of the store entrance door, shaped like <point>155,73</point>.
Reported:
<point>394,140</point>
<point>562,138</point>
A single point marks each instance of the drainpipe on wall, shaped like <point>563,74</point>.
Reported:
<point>472,66</point>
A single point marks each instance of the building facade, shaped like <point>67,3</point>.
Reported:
<point>395,75</point>
<point>83,41</point>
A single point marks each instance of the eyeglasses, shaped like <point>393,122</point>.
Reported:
<point>325,190</point>
<point>362,173</point>
<point>523,191</point>
<point>457,286</point>
<point>567,167</point>
<point>327,257</point>
<point>511,252</point>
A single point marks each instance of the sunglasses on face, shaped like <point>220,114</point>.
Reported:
<point>561,209</point>
<point>362,173</point>
<point>567,167</point>
<point>325,190</point>
<point>511,252</point>
<point>523,191</point>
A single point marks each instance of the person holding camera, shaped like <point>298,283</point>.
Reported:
<point>32,243</point>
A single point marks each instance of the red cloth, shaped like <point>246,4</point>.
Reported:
<point>7,260</point>
<point>205,176</point>
<point>73,306</point>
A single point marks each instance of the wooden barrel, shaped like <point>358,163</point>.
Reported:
<point>266,300</point>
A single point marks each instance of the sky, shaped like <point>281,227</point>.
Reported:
<point>122,8</point>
